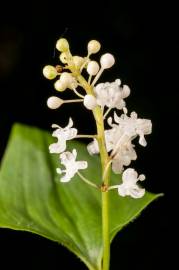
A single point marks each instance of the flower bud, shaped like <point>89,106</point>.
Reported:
<point>93,46</point>
<point>60,86</point>
<point>90,102</point>
<point>107,60</point>
<point>54,102</point>
<point>92,68</point>
<point>68,80</point>
<point>78,61</point>
<point>49,72</point>
<point>62,45</point>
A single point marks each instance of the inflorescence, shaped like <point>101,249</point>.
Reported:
<point>122,128</point>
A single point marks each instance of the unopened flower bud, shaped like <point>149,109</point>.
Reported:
<point>93,46</point>
<point>54,102</point>
<point>89,102</point>
<point>68,80</point>
<point>62,45</point>
<point>92,68</point>
<point>49,72</point>
<point>60,86</point>
<point>65,77</point>
<point>107,60</point>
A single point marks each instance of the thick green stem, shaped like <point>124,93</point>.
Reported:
<point>105,231</point>
<point>105,194</point>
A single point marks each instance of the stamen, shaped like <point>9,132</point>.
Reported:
<point>115,150</point>
<point>106,113</point>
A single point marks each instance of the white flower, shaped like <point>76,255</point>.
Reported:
<point>107,60</point>
<point>62,45</point>
<point>49,72</point>
<point>111,94</point>
<point>119,138</point>
<point>133,126</point>
<point>129,186</point>
<point>54,102</point>
<point>93,46</point>
<point>93,147</point>
<point>62,134</point>
<point>72,166</point>
<point>92,68</point>
<point>89,102</point>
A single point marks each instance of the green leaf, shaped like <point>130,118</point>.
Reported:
<point>33,199</point>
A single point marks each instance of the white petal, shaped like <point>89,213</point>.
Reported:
<point>116,118</point>
<point>70,133</point>
<point>125,91</point>
<point>74,152</point>
<point>122,190</point>
<point>142,140</point>
<point>70,123</point>
<point>58,170</point>
<point>66,178</point>
<point>129,176</point>
<point>55,126</point>
<point>82,164</point>
<point>67,157</point>
<point>109,121</point>
<point>136,192</point>
<point>118,82</point>
<point>57,148</point>
<point>134,115</point>
<point>93,147</point>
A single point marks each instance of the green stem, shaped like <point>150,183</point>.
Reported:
<point>105,230</point>
<point>105,195</point>
<point>98,115</point>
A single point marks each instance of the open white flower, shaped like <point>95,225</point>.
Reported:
<point>111,94</point>
<point>119,138</point>
<point>129,186</point>
<point>72,166</point>
<point>132,126</point>
<point>63,135</point>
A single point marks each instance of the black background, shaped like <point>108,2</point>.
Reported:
<point>143,38</point>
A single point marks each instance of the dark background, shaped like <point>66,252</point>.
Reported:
<point>143,38</point>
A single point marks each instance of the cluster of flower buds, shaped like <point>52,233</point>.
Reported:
<point>99,98</point>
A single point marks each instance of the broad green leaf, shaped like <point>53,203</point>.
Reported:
<point>33,199</point>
